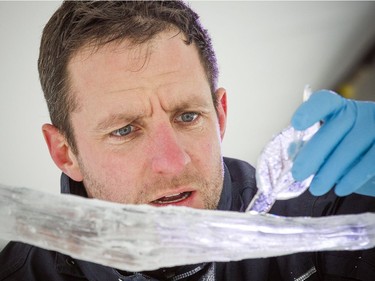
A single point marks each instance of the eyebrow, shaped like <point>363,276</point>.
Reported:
<point>115,118</point>
<point>181,103</point>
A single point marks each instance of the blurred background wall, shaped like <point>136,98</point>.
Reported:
<point>267,52</point>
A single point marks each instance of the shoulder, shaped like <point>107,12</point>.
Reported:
<point>21,261</point>
<point>326,205</point>
<point>12,258</point>
<point>240,171</point>
<point>241,180</point>
<point>332,265</point>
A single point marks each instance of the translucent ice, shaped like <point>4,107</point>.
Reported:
<point>273,174</point>
<point>274,179</point>
<point>140,237</point>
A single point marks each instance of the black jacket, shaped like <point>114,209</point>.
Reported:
<point>19,261</point>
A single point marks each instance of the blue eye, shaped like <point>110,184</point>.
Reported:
<point>124,131</point>
<point>188,117</point>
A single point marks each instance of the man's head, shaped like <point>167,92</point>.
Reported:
<point>79,23</point>
<point>131,89</point>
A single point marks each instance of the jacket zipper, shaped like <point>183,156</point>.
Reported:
<point>187,274</point>
<point>306,275</point>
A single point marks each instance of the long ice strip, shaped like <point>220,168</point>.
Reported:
<point>138,238</point>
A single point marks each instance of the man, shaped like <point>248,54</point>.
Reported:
<point>137,118</point>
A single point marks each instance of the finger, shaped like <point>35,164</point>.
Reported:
<point>368,188</point>
<point>361,175</point>
<point>318,107</point>
<point>346,154</point>
<point>317,150</point>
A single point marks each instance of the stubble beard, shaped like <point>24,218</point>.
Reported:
<point>209,189</point>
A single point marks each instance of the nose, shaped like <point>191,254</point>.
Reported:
<point>168,155</point>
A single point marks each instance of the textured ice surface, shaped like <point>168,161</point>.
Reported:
<point>273,174</point>
<point>274,179</point>
<point>138,238</point>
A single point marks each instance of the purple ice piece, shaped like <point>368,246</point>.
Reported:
<point>274,177</point>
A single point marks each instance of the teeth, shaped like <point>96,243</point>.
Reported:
<point>172,195</point>
<point>173,198</point>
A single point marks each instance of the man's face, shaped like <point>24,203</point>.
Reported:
<point>146,128</point>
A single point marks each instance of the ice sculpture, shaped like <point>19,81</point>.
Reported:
<point>273,174</point>
<point>274,179</point>
<point>141,237</point>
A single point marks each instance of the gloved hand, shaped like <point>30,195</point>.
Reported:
<point>342,152</point>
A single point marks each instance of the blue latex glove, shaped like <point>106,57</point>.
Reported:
<point>342,152</point>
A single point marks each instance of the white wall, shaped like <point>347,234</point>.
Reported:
<point>267,52</point>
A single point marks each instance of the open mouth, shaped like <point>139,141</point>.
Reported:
<point>173,198</point>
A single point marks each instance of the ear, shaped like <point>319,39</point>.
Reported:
<point>61,152</point>
<point>221,108</point>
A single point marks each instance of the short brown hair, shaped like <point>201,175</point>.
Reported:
<point>78,23</point>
